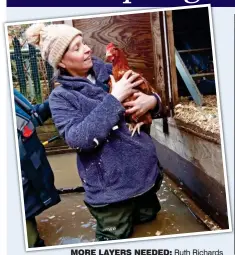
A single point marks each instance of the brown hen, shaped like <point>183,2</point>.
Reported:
<point>120,66</point>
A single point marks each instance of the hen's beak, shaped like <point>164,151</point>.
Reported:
<point>108,55</point>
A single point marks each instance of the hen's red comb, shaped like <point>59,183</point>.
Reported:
<point>110,46</point>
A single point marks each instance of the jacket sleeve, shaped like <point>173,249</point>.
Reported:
<point>158,108</point>
<point>84,132</point>
<point>43,111</point>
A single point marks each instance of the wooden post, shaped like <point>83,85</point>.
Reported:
<point>171,46</point>
<point>160,79</point>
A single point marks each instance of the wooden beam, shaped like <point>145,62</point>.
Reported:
<point>193,50</point>
<point>188,80</point>
<point>171,46</point>
<point>198,75</point>
<point>160,82</point>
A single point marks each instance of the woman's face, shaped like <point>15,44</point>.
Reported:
<point>77,59</point>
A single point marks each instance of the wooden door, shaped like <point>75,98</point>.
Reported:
<point>148,42</point>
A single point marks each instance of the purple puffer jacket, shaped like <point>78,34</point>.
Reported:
<point>112,165</point>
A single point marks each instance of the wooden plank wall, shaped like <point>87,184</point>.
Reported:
<point>130,32</point>
<point>141,38</point>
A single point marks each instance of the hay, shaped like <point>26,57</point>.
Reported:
<point>206,117</point>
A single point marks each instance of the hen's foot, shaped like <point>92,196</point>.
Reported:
<point>137,128</point>
<point>130,127</point>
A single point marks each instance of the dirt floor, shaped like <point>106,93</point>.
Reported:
<point>205,117</point>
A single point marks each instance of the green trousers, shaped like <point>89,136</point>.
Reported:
<point>116,221</point>
<point>32,232</point>
<point>34,239</point>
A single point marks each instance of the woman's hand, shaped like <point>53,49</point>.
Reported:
<point>125,87</point>
<point>141,104</point>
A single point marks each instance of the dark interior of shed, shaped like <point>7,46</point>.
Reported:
<point>192,31</point>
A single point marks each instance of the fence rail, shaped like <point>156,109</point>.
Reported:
<point>30,73</point>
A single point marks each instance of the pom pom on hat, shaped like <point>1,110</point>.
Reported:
<point>33,33</point>
<point>53,40</point>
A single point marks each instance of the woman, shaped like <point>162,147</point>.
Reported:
<point>119,172</point>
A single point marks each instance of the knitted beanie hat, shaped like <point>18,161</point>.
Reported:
<point>52,40</point>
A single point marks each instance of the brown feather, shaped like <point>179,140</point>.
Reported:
<point>120,66</point>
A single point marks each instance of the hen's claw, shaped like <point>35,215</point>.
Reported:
<point>137,128</point>
<point>129,127</point>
